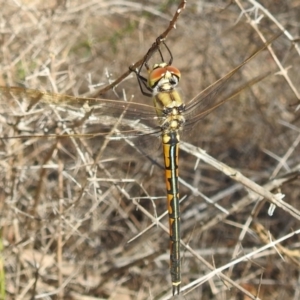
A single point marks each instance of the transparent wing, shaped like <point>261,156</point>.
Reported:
<point>33,116</point>
<point>222,90</point>
<point>20,105</point>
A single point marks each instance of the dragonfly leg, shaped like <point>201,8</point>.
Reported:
<point>143,82</point>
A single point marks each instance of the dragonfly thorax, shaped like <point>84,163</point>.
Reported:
<point>168,103</point>
<point>174,109</point>
<point>172,124</point>
<point>173,120</point>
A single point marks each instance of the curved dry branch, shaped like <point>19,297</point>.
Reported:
<point>153,48</point>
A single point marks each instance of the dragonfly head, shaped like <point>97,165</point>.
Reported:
<point>163,77</point>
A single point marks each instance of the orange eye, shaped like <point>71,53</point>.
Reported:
<point>173,71</point>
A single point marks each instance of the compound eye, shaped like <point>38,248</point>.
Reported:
<point>173,71</point>
<point>155,75</point>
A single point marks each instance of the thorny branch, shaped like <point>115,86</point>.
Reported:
<point>150,52</point>
<point>254,24</point>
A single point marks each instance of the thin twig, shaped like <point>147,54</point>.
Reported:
<point>153,48</point>
<point>254,23</point>
<point>239,177</point>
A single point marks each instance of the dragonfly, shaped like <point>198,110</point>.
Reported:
<point>168,117</point>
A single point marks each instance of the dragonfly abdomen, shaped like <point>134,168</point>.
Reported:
<point>170,149</point>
